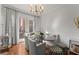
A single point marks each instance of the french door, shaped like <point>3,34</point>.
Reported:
<point>9,25</point>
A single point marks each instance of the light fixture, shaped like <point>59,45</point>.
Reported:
<point>36,9</point>
<point>77,22</point>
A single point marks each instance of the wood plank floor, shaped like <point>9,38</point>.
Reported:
<point>18,49</point>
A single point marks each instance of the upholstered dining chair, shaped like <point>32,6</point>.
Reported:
<point>26,43</point>
<point>36,49</point>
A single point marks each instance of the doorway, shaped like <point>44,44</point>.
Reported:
<point>21,27</point>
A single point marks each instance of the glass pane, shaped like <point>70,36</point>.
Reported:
<point>11,26</point>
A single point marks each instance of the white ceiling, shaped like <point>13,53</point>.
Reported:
<point>25,7</point>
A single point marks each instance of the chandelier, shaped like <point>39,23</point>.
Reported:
<point>36,9</point>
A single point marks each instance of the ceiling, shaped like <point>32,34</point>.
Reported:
<point>47,7</point>
<point>25,7</point>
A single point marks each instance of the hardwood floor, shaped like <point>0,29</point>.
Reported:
<point>18,49</point>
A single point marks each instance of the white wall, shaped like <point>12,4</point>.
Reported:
<point>0,20</point>
<point>60,20</point>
